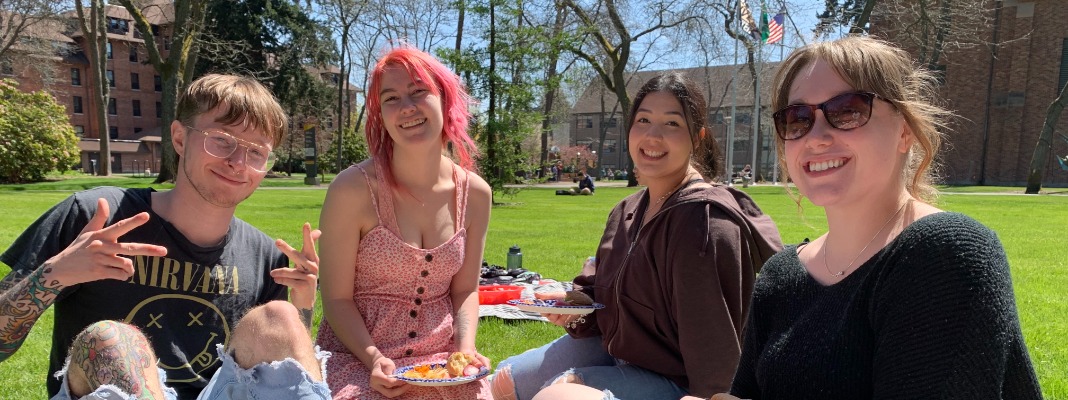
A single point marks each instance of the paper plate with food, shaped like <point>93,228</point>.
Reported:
<point>456,371</point>
<point>574,302</point>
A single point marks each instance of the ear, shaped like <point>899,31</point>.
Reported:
<point>178,137</point>
<point>906,139</point>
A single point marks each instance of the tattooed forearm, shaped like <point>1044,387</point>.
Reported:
<point>22,305</point>
<point>112,353</point>
<point>306,315</point>
<point>461,325</point>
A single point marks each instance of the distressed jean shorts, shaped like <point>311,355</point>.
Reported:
<point>284,379</point>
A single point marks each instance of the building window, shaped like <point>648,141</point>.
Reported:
<point>159,110</point>
<point>166,43</point>
<point>155,30</point>
<point>5,68</point>
<point>77,104</point>
<point>137,130</point>
<point>75,77</point>
<point>135,81</point>
<point>158,83</point>
<point>589,122</point>
<point>107,49</point>
<point>110,75</point>
<point>79,130</point>
<point>113,107</point>
<point>113,132</point>
<point>609,146</point>
<point>137,108</point>
<point>611,123</point>
<point>118,26</point>
<point>133,52</point>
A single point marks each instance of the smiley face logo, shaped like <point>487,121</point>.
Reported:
<point>191,325</point>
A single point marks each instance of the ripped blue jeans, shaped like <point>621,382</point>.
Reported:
<point>588,361</point>
<point>284,379</point>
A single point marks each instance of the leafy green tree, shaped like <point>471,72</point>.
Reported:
<point>281,45</point>
<point>353,148</point>
<point>35,135</point>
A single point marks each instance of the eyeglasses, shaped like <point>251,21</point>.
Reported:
<point>223,145</point>
<point>845,111</point>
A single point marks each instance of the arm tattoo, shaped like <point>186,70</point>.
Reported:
<point>110,353</point>
<point>306,315</point>
<point>22,305</point>
<point>461,325</point>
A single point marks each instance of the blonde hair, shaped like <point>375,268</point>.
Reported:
<point>876,66</point>
<point>243,100</point>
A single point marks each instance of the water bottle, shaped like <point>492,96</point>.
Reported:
<point>515,258</point>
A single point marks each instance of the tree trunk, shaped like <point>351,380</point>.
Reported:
<point>1053,113</point>
<point>93,29</point>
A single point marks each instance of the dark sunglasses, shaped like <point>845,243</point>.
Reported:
<point>845,111</point>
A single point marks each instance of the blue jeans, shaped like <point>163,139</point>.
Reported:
<point>588,360</point>
<point>284,379</point>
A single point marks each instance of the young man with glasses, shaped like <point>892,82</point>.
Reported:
<point>167,294</point>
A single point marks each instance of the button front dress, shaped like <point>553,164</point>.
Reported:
<point>402,292</point>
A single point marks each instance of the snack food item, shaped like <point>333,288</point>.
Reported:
<point>457,362</point>
<point>427,372</point>
<point>577,298</point>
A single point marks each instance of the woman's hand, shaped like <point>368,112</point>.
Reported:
<point>560,320</point>
<point>381,380</point>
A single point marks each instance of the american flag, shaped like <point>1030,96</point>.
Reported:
<point>775,27</point>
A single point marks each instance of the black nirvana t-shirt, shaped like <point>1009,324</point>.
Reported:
<point>185,302</point>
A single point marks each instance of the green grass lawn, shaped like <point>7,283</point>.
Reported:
<point>557,233</point>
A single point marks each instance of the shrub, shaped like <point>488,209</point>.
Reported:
<point>35,135</point>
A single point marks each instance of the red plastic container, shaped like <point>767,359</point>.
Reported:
<point>498,294</point>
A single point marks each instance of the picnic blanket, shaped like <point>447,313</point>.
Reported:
<point>511,312</point>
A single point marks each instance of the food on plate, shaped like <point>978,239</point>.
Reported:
<point>458,362</point>
<point>427,372</point>
<point>577,298</point>
<point>458,365</point>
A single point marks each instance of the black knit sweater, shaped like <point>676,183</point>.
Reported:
<point>930,316</point>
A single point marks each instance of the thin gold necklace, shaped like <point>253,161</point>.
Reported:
<point>826,243</point>
<point>672,191</point>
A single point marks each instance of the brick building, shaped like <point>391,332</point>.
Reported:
<point>597,111</point>
<point>135,108</point>
<point>1001,97</point>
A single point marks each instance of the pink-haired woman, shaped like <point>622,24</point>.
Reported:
<point>403,234</point>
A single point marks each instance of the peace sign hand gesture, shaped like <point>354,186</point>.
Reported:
<point>95,253</point>
<point>303,278</point>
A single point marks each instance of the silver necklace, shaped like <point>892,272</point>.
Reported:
<point>672,191</point>
<point>826,244</point>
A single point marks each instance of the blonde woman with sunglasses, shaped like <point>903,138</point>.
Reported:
<point>899,299</point>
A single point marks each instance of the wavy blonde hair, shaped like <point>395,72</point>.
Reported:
<point>876,66</point>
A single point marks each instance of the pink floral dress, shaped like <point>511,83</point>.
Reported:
<point>402,293</point>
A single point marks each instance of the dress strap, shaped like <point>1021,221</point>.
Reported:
<point>463,180</point>
<point>386,212</point>
<point>371,190</point>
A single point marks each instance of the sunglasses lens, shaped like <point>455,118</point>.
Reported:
<point>793,122</point>
<point>848,111</point>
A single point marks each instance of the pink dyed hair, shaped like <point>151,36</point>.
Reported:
<point>446,85</point>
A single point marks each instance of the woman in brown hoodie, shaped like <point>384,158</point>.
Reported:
<point>675,270</point>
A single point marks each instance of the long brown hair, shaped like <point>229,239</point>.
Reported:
<point>706,157</point>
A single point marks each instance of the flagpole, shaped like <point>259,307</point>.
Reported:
<point>734,103</point>
<point>755,115</point>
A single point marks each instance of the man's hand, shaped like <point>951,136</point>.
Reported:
<point>95,253</point>
<point>303,278</point>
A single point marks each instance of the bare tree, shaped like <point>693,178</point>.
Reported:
<point>96,43</point>
<point>176,69</point>
<point>342,15</point>
<point>1045,141</point>
<point>609,41</point>
<point>26,28</point>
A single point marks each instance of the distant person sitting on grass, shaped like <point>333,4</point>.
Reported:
<point>150,287</point>
<point>585,184</point>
